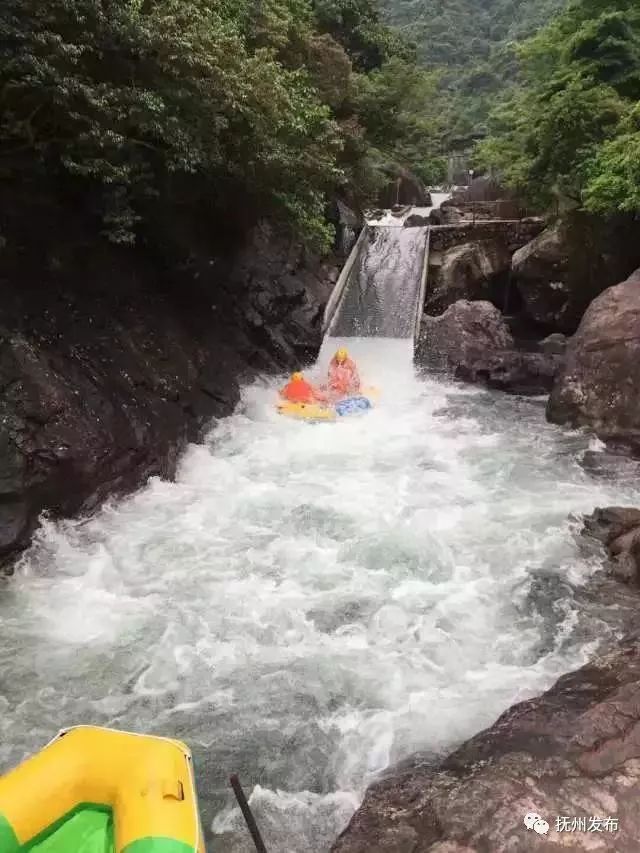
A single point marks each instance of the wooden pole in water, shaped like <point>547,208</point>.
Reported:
<point>247,814</point>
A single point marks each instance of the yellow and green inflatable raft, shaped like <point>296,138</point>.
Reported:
<point>95,790</point>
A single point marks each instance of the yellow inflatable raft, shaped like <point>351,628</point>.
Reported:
<point>318,411</point>
<point>94,790</point>
<point>307,411</point>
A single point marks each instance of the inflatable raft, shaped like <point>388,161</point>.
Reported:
<point>317,412</point>
<point>94,790</point>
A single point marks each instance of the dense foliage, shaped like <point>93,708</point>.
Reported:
<point>279,103</point>
<point>572,128</point>
<point>472,43</point>
<point>274,101</point>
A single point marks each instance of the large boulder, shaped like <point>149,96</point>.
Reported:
<point>416,220</point>
<point>618,528</point>
<point>571,756</point>
<point>470,271</point>
<point>540,271</point>
<point>525,373</point>
<point>565,267</point>
<point>446,215</point>
<point>554,344</point>
<point>473,342</point>
<point>403,187</point>
<point>347,225</point>
<point>598,385</point>
<point>466,334</point>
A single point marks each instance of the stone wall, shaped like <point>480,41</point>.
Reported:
<point>512,234</point>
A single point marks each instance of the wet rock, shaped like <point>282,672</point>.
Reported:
<point>611,463</point>
<point>624,567</point>
<point>598,385</point>
<point>541,271</point>
<point>415,220</point>
<point>106,371</point>
<point>473,341</point>
<point>554,344</point>
<point>608,524</point>
<point>467,271</point>
<point>286,289</point>
<point>561,271</point>
<point>523,373</point>
<point>347,225</point>
<point>446,215</point>
<point>511,371</point>
<point>573,752</point>
<point>467,333</point>
<point>403,188</point>
<point>618,528</point>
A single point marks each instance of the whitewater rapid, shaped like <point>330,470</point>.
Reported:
<point>308,604</point>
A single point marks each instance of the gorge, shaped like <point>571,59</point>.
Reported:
<point>332,611</point>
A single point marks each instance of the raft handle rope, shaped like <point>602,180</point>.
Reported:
<point>247,813</point>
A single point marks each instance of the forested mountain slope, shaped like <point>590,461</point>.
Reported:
<point>472,43</point>
<point>571,127</point>
<point>460,33</point>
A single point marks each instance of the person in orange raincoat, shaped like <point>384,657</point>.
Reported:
<point>344,380</point>
<point>298,390</point>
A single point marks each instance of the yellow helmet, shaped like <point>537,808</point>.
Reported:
<point>296,377</point>
<point>341,355</point>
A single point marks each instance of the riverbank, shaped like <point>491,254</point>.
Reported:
<point>568,759</point>
<point>111,361</point>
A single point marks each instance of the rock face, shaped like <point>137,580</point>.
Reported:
<point>403,188</point>
<point>467,333</point>
<point>618,528</point>
<point>598,385</point>
<point>468,271</point>
<point>281,293</point>
<point>525,373</point>
<point>540,271</point>
<point>347,224</point>
<point>472,340</point>
<point>107,372</point>
<point>416,221</point>
<point>555,344</point>
<point>572,753</point>
<point>446,214</point>
<point>569,264</point>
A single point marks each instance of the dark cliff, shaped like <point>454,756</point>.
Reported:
<point>112,358</point>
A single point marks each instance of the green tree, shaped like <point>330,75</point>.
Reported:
<point>128,98</point>
<point>568,128</point>
<point>270,101</point>
<point>614,172</point>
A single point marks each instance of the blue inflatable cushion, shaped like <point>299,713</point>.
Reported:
<point>352,405</point>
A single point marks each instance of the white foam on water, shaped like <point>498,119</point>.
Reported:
<point>308,604</point>
<point>389,218</point>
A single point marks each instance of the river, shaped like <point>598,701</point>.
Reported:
<point>307,604</point>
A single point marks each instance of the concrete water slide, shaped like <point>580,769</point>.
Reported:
<point>381,290</point>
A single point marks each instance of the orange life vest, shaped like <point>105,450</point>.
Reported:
<point>298,391</point>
